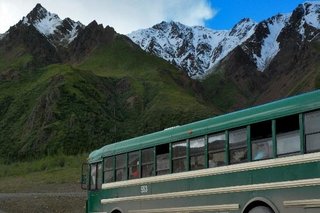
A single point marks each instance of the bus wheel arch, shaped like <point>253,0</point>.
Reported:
<point>259,202</point>
<point>116,210</point>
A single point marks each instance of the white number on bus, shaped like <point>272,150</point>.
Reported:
<point>144,189</point>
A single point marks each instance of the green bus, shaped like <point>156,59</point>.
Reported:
<point>265,159</point>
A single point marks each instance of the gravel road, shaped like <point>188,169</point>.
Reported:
<point>44,202</point>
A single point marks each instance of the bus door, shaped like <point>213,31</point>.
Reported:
<point>95,183</point>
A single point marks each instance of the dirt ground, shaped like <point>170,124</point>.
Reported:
<point>45,199</point>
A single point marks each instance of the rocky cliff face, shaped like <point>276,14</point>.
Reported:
<point>89,38</point>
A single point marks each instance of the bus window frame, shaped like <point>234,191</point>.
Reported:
<point>152,162</point>
<point>124,168</point>
<point>168,159</point>
<point>112,169</point>
<point>137,165</point>
<point>216,151</point>
<point>295,132</point>
<point>261,145</point>
<point>182,158</point>
<point>243,145</point>
<point>198,154</point>
<point>307,133</point>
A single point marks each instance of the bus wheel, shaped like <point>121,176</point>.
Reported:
<point>260,209</point>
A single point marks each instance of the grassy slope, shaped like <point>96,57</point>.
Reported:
<point>38,175</point>
<point>116,93</point>
<point>223,92</point>
<point>156,84</point>
<point>15,58</point>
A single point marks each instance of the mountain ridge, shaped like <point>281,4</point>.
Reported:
<point>151,40</point>
<point>196,47</point>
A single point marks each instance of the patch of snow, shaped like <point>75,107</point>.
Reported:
<point>237,36</point>
<point>73,33</point>
<point>270,45</point>
<point>48,24</point>
<point>25,20</point>
<point>311,17</point>
<point>312,14</point>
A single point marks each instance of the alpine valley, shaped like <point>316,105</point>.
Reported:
<point>70,88</point>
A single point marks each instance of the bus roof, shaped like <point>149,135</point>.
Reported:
<point>293,105</point>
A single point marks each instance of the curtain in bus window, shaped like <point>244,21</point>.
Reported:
<point>312,131</point>
<point>93,176</point>
<point>216,149</point>
<point>179,152</point>
<point>121,162</point>
<point>163,164</point>
<point>238,145</point>
<point>288,136</point>
<point>147,165</point>
<point>261,140</point>
<point>134,165</point>
<point>197,146</point>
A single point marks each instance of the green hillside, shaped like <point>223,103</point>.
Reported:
<point>116,92</point>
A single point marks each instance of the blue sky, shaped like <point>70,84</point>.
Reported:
<point>129,15</point>
<point>230,12</point>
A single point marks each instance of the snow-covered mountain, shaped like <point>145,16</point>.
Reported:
<point>197,49</point>
<point>283,31</point>
<point>263,45</point>
<point>58,32</point>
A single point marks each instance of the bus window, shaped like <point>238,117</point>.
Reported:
<point>312,131</point>
<point>261,140</point>
<point>179,153</point>
<point>108,170</point>
<point>288,137</point>
<point>93,176</point>
<point>238,145</point>
<point>163,164</point>
<point>121,162</point>
<point>133,165</point>
<point>99,175</point>
<point>147,162</point>
<point>216,149</point>
<point>197,146</point>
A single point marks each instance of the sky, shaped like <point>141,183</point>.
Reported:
<point>126,16</point>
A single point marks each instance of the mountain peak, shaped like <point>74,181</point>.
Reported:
<point>59,32</point>
<point>165,26</point>
<point>242,27</point>
<point>39,13</point>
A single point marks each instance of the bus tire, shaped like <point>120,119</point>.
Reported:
<point>260,209</point>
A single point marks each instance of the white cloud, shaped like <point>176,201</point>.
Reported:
<point>124,15</point>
